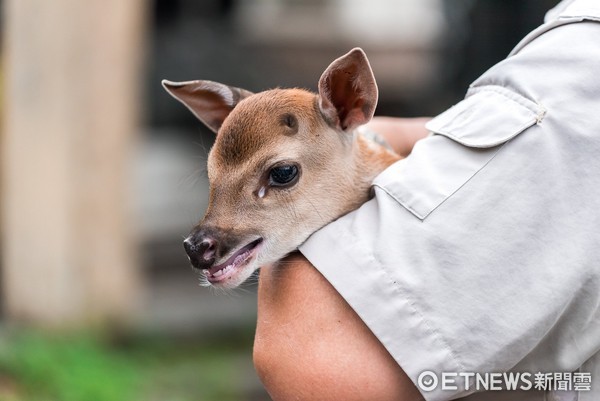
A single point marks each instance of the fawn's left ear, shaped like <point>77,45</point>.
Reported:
<point>348,92</point>
<point>210,101</point>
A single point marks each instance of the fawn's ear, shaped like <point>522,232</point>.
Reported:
<point>348,92</point>
<point>210,101</point>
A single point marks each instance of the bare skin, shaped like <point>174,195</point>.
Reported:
<point>309,343</point>
<point>400,133</point>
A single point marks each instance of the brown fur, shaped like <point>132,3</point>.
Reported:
<point>316,132</point>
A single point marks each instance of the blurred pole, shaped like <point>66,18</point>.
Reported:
<point>71,84</point>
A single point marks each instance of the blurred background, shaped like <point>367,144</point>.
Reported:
<point>102,174</point>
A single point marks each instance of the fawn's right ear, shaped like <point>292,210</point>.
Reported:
<point>347,91</point>
<point>210,101</point>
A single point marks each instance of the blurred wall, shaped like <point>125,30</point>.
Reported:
<point>72,78</point>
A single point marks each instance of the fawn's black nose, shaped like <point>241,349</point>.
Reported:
<point>201,250</point>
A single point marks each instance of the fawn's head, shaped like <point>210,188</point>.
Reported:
<point>282,166</point>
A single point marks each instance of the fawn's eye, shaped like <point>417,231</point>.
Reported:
<point>283,175</point>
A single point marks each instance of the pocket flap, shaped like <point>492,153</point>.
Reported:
<point>488,117</point>
<point>466,138</point>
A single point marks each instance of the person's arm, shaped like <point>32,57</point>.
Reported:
<point>400,133</point>
<point>310,345</point>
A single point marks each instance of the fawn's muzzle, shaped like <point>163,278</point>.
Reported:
<point>221,254</point>
<point>201,251</point>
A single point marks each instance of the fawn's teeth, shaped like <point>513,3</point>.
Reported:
<point>219,273</point>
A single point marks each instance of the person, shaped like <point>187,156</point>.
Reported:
<point>477,258</point>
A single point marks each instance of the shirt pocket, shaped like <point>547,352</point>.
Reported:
<point>464,140</point>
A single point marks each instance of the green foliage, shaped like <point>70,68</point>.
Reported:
<point>70,368</point>
<point>38,366</point>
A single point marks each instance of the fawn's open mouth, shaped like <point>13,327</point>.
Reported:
<point>228,268</point>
